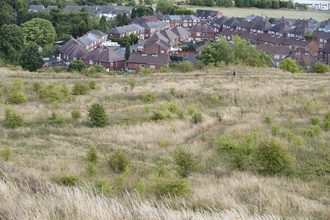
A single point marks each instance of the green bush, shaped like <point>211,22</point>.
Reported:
<point>6,154</point>
<point>90,169</point>
<point>104,187</point>
<point>185,67</point>
<point>185,161</point>
<point>141,187</point>
<point>36,86</point>
<point>326,121</point>
<point>80,88</point>
<point>224,142</point>
<point>196,118</point>
<point>290,65</point>
<point>158,116</point>
<point>119,161</point>
<point>171,186</point>
<point>276,129</point>
<point>172,91</point>
<point>173,107</point>
<point>53,93</point>
<point>319,68</point>
<point>146,71</point>
<point>268,120</point>
<point>164,143</point>
<point>149,97</point>
<point>165,70</point>
<point>311,131</point>
<point>17,85</point>
<point>132,82</point>
<point>96,70</point>
<point>67,180</point>
<point>272,157</point>
<point>16,98</point>
<point>147,108</point>
<point>191,109</point>
<point>298,141</point>
<point>289,135</point>
<point>92,84</point>
<point>75,114</point>
<point>315,121</point>
<point>12,119</point>
<point>77,65</point>
<point>98,115</point>
<point>91,155</point>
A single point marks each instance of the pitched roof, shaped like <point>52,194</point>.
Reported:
<point>71,8</point>
<point>180,31</point>
<point>281,50</point>
<point>150,59</point>
<point>105,55</point>
<point>124,29</point>
<point>206,13</point>
<point>169,34</point>
<point>307,23</point>
<point>171,18</point>
<point>227,32</point>
<point>204,28</point>
<point>232,22</point>
<point>250,17</point>
<point>317,34</point>
<point>73,49</point>
<point>300,56</point>
<point>84,41</point>
<point>300,30</point>
<point>325,36</point>
<point>189,17</point>
<point>219,21</point>
<point>281,27</point>
<point>159,15</point>
<point>98,33</point>
<point>192,58</point>
<point>162,44</point>
<point>299,43</point>
<point>262,25</point>
<point>157,24</point>
<point>272,39</point>
<point>250,36</point>
<point>325,49</point>
<point>155,37</point>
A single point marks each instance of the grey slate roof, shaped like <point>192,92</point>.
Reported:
<point>155,37</point>
<point>105,55</point>
<point>281,27</point>
<point>206,13</point>
<point>325,49</point>
<point>263,25</point>
<point>150,25</point>
<point>204,28</point>
<point>171,18</point>
<point>219,21</point>
<point>142,58</point>
<point>98,33</point>
<point>301,30</point>
<point>272,39</point>
<point>73,49</point>
<point>299,43</point>
<point>180,31</point>
<point>169,34</point>
<point>125,29</point>
<point>281,50</point>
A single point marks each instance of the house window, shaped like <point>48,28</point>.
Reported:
<point>204,34</point>
<point>111,64</point>
<point>325,41</point>
<point>321,40</point>
<point>75,58</point>
<point>152,66</point>
<point>276,56</point>
<point>283,56</point>
<point>198,34</point>
<point>91,62</point>
<point>141,65</point>
<point>321,53</point>
<point>162,51</point>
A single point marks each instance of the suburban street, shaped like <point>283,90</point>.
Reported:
<point>121,50</point>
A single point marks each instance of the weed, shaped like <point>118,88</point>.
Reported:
<point>118,161</point>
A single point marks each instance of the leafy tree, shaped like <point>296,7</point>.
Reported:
<point>11,41</point>
<point>272,157</point>
<point>12,119</point>
<point>134,38</point>
<point>30,15</point>
<point>320,68</point>
<point>224,3</point>
<point>30,58</point>
<point>6,13</point>
<point>119,161</point>
<point>164,6</point>
<point>82,27</point>
<point>183,11</point>
<point>185,161</point>
<point>209,3</point>
<point>76,65</point>
<point>276,4</point>
<point>98,115</point>
<point>216,52</point>
<point>272,20</point>
<point>91,155</point>
<point>148,2</point>
<point>39,31</point>
<point>104,25</point>
<point>289,65</point>
<point>127,51</point>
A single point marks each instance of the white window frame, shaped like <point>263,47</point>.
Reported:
<point>198,34</point>
<point>91,62</point>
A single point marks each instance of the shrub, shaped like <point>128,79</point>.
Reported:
<point>319,68</point>
<point>272,157</point>
<point>67,180</point>
<point>191,109</point>
<point>173,107</point>
<point>215,97</point>
<point>268,120</point>
<point>91,155</point>
<point>141,187</point>
<point>76,65</point>
<point>147,108</point>
<point>326,121</point>
<point>92,84</point>
<point>12,119</point>
<point>16,98</point>
<point>6,154</point>
<point>165,70</point>
<point>312,130</point>
<point>289,135</point>
<point>119,161</point>
<point>96,70</point>
<point>298,141</point>
<point>75,114</point>
<point>185,66</point>
<point>158,116</point>
<point>103,187</point>
<point>90,169</point>
<point>315,120</point>
<point>172,91</point>
<point>185,161</point>
<point>98,115</point>
<point>171,186</point>
<point>290,65</point>
<point>225,142</point>
<point>52,93</point>
<point>197,118</point>
<point>275,129</point>
<point>36,87</point>
<point>164,143</point>
<point>149,97</point>
<point>146,71</point>
<point>80,88</point>
<point>132,82</point>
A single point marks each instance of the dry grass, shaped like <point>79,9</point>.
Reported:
<point>43,152</point>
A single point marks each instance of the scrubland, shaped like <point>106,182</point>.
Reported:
<point>44,172</point>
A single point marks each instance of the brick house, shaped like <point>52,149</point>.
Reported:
<point>172,20</point>
<point>303,56</point>
<point>324,54</point>
<point>126,30</point>
<point>271,39</point>
<point>72,50</point>
<point>104,57</point>
<point>323,39</point>
<point>228,34</point>
<point>173,39</point>
<point>280,29</point>
<point>152,27</point>
<point>92,39</point>
<point>217,23</point>
<point>139,60</point>
<point>189,20</point>
<point>201,32</point>
<point>207,14</point>
<point>158,47</point>
<point>278,53</point>
<point>299,32</point>
<point>309,45</point>
<point>182,33</point>
<point>144,19</point>
<point>250,37</point>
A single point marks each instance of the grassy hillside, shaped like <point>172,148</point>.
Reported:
<point>44,173</point>
<point>270,13</point>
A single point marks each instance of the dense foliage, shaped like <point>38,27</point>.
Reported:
<point>30,58</point>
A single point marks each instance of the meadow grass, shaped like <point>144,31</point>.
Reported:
<point>49,147</point>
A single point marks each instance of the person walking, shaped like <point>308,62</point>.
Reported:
<point>228,72</point>
<point>234,72</point>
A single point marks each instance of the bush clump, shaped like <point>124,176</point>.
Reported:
<point>185,67</point>
<point>149,97</point>
<point>272,157</point>
<point>98,115</point>
<point>196,118</point>
<point>91,155</point>
<point>12,119</point>
<point>16,98</point>
<point>75,114</point>
<point>6,154</point>
<point>225,142</point>
<point>80,88</point>
<point>185,161</point>
<point>67,180</point>
<point>171,186</point>
<point>119,161</point>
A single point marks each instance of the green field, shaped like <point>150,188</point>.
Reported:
<point>243,12</point>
